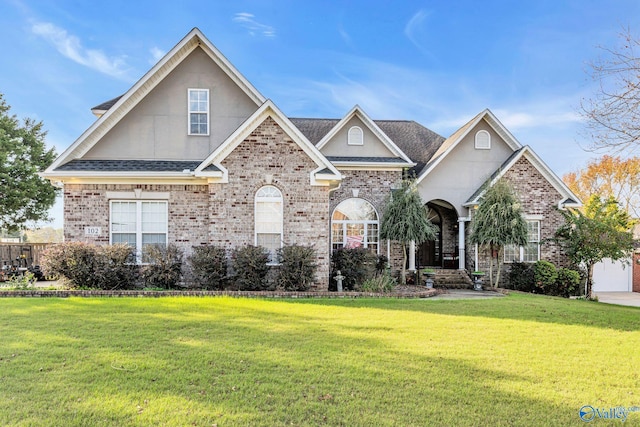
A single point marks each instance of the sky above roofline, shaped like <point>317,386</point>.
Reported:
<point>439,63</point>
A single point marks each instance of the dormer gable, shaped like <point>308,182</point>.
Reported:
<point>356,140</point>
<point>483,137</point>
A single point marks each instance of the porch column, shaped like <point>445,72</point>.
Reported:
<point>461,244</point>
<point>412,256</point>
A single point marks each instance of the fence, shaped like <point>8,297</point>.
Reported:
<point>22,254</point>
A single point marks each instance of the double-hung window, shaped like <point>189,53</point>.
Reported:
<point>198,111</point>
<point>531,251</point>
<point>138,223</point>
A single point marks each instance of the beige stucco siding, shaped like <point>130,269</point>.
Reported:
<point>156,128</point>
<point>372,147</point>
<point>464,169</point>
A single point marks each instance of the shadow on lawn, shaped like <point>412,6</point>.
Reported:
<point>526,307</point>
<point>245,363</point>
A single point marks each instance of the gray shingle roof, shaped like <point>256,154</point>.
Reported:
<point>128,165</point>
<point>415,140</point>
<point>365,159</point>
<point>108,104</point>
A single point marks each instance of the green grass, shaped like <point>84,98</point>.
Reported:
<point>519,360</point>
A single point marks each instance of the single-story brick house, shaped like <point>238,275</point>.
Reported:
<point>193,154</point>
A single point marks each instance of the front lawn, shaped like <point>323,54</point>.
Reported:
<point>519,360</point>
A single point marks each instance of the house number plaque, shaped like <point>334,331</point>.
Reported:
<point>92,231</point>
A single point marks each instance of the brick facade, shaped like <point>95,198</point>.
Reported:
<point>270,157</point>
<point>539,200</point>
<point>374,187</point>
<point>223,214</point>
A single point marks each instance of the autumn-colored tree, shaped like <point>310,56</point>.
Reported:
<point>607,177</point>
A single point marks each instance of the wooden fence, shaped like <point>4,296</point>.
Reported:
<point>22,254</point>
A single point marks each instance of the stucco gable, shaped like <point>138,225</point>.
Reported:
<point>375,143</point>
<point>122,106</point>
<point>324,174</point>
<point>487,118</point>
<point>566,198</point>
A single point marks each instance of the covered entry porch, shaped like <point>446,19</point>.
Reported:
<point>447,250</point>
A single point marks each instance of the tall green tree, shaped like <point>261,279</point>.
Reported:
<point>601,230</point>
<point>405,220</point>
<point>24,195</point>
<point>497,222</point>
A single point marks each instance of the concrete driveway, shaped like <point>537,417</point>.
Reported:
<point>620,298</point>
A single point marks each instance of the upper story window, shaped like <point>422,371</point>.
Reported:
<point>356,136</point>
<point>268,220</point>
<point>198,111</point>
<point>483,140</point>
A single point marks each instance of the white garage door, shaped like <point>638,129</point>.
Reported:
<point>611,276</point>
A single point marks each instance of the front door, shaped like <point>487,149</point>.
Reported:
<point>430,252</point>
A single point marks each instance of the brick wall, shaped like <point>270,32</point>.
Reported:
<point>636,272</point>
<point>538,198</point>
<point>374,187</point>
<point>86,205</point>
<point>270,151</point>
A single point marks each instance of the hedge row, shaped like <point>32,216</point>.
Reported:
<point>86,266</point>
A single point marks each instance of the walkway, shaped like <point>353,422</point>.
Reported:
<point>621,298</point>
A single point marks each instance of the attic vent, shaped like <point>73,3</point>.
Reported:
<point>355,136</point>
<point>483,140</point>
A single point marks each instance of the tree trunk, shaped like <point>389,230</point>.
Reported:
<point>491,264</point>
<point>588,291</point>
<point>499,266</point>
<point>404,263</point>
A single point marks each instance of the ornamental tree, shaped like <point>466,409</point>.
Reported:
<point>601,230</point>
<point>497,222</point>
<point>405,220</point>
<point>24,196</point>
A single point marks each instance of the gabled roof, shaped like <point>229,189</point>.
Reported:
<point>415,140</point>
<point>568,198</point>
<point>117,108</point>
<point>356,111</point>
<point>323,173</point>
<point>450,143</point>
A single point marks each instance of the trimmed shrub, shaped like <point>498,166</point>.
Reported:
<point>86,266</point>
<point>115,267</point>
<point>355,264</point>
<point>544,276</point>
<point>567,283</point>
<point>165,266</point>
<point>297,268</point>
<point>521,277</point>
<point>250,269</point>
<point>209,266</point>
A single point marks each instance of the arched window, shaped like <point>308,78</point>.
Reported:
<point>483,140</point>
<point>356,136</point>
<point>354,224</point>
<point>268,219</point>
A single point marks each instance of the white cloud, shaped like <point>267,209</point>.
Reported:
<point>415,31</point>
<point>156,55</point>
<point>248,21</point>
<point>71,47</point>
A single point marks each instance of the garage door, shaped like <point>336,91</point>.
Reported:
<point>611,276</point>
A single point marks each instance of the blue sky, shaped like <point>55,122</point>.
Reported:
<point>437,62</point>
